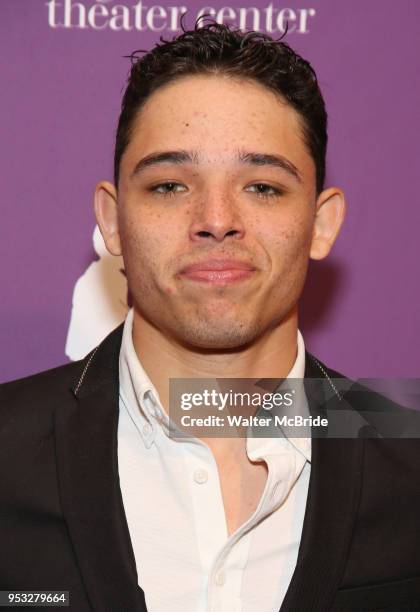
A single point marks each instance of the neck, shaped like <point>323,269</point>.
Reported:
<point>271,355</point>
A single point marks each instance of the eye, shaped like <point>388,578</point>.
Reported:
<point>263,190</point>
<point>169,188</point>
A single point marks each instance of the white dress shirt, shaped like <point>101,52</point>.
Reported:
<point>173,503</point>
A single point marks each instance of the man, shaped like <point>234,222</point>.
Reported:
<point>218,204</point>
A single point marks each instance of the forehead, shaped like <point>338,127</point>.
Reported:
<point>217,115</point>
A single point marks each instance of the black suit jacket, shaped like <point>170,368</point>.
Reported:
<point>62,521</point>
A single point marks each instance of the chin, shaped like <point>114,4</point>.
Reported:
<point>218,337</point>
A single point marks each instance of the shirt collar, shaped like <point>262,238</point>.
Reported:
<point>298,372</point>
<point>137,392</point>
<point>142,401</point>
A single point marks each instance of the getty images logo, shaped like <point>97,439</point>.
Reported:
<point>135,15</point>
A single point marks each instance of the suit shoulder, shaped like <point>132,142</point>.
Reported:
<point>34,397</point>
<point>391,428</point>
<point>52,378</point>
<point>360,395</point>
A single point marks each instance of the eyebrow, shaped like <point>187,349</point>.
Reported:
<point>188,157</point>
<point>166,157</point>
<point>266,159</point>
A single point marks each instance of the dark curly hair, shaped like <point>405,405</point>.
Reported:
<point>217,49</point>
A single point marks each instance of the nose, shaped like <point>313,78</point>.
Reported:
<point>216,217</point>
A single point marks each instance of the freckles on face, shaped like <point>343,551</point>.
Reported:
<point>287,246</point>
<point>142,251</point>
<point>215,209</point>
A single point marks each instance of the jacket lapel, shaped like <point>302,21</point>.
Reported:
<point>333,498</point>
<point>86,446</point>
<point>86,442</point>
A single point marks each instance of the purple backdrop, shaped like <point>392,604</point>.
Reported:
<point>61,89</point>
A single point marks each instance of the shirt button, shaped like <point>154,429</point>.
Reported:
<point>220,578</point>
<point>200,476</point>
<point>146,429</point>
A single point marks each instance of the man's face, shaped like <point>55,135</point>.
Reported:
<point>229,201</point>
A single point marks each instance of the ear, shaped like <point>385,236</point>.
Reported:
<point>106,212</point>
<point>329,217</point>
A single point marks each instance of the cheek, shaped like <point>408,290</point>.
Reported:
<point>289,240</point>
<point>145,230</point>
<point>288,249</point>
<point>146,248</point>
<point>140,250</point>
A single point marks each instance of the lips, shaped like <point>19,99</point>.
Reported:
<point>218,265</point>
<point>219,271</point>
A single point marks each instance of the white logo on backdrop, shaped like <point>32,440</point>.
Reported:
<point>136,16</point>
<point>99,301</point>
